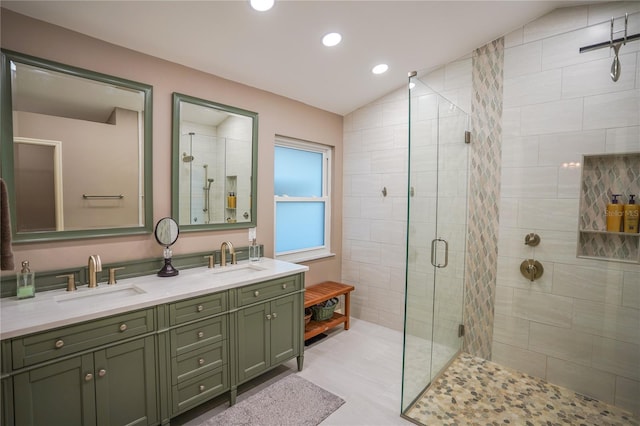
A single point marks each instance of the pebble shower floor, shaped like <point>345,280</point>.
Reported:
<point>473,391</point>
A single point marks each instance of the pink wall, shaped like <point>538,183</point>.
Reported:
<point>277,115</point>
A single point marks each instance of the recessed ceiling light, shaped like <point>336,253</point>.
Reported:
<point>262,5</point>
<point>380,68</point>
<point>331,39</point>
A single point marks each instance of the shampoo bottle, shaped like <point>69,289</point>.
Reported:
<point>614,214</point>
<point>25,283</point>
<point>631,215</point>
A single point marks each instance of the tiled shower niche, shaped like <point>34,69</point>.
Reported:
<point>602,176</point>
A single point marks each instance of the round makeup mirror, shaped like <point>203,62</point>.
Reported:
<point>166,233</point>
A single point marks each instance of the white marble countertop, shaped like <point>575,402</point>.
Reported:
<point>57,308</point>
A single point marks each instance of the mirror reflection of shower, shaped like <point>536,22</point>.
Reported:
<point>207,192</point>
<point>202,182</point>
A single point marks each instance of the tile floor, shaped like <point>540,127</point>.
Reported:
<point>364,367</point>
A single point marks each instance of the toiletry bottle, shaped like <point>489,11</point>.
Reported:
<point>254,248</point>
<point>614,214</point>
<point>254,251</point>
<point>631,215</point>
<point>25,283</point>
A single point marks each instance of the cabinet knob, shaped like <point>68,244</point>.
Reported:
<point>201,361</point>
<point>274,315</point>
<point>102,372</point>
<point>200,308</point>
<point>256,293</point>
<point>200,334</point>
<point>123,327</point>
<point>268,316</point>
<point>202,388</point>
<point>284,286</point>
<point>59,343</point>
<point>88,377</point>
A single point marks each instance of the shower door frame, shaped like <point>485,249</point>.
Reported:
<point>441,242</point>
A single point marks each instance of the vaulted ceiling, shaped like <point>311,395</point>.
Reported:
<point>280,50</point>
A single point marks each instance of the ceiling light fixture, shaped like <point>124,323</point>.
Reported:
<point>331,39</point>
<point>380,69</point>
<point>262,5</point>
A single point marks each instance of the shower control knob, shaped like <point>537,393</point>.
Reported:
<point>532,239</point>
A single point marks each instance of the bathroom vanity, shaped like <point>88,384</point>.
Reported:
<point>147,349</point>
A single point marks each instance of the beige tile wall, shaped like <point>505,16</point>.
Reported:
<point>578,326</point>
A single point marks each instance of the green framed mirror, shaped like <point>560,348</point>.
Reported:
<point>214,164</point>
<point>76,151</point>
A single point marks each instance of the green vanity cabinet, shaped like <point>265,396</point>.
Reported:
<point>198,350</point>
<point>267,335</point>
<point>146,366</point>
<point>269,332</point>
<point>113,384</point>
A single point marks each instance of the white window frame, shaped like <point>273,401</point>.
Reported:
<point>323,251</point>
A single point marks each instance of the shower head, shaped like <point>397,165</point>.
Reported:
<point>187,158</point>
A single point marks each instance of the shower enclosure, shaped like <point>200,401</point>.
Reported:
<point>437,214</point>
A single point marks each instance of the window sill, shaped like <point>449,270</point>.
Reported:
<point>304,257</point>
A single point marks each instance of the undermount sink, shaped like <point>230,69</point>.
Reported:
<point>243,269</point>
<point>100,295</point>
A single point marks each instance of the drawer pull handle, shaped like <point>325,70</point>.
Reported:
<point>200,334</point>
<point>59,343</point>
<point>284,286</point>
<point>102,372</point>
<point>256,293</point>
<point>200,308</point>
<point>268,316</point>
<point>201,361</point>
<point>123,327</point>
<point>201,388</point>
<point>88,377</point>
<point>275,315</point>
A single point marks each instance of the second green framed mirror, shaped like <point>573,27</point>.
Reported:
<point>214,165</point>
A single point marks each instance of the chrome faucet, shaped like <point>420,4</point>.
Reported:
<point>223,254</point>
<point>95,265</point>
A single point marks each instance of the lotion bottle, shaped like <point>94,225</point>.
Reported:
<point>25,282</point>
<point>614,213</point>
<point>631,215</point>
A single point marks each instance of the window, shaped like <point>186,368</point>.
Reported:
<point>302,198</point>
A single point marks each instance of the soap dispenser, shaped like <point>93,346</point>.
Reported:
<point>614,214</point>
<point>25,282</point>
<point>631,215</point>
<point>254,248</point>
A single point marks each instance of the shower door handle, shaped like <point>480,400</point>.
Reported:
<point>433,253</point>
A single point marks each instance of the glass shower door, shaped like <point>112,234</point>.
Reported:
<point>437,212</point>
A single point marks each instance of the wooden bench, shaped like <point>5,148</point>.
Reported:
<point>319,293</point>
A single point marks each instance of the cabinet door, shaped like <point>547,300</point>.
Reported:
<point>125,380</point>
<point>285,323</point>
<point>56,394</point>
<point>253,340</point>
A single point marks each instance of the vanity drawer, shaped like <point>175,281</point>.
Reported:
<point>193,336</point>
<point>51,344</point>
<point>191,364</point>
<point>196,308</point>
<point>267,290</point>
<point>199,389</point>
